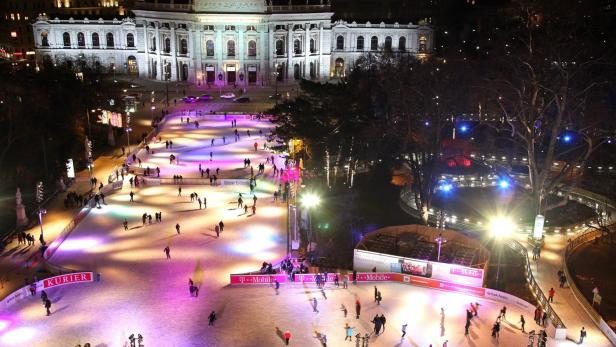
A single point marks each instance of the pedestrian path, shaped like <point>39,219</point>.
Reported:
<point>565,304</point>
<point>18,262</point>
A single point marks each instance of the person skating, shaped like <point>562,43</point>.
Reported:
<point>177,228</point>
<point>503,312</point>
<point>582,335</point>
<point>376,293</point>
<point>404,329</point>
<point>125,224</point>
<point>357,308</point>
<point>314,305</point>
<point>551,295</point>
<point>222,226</point>
<point>132,196</point>
<point>48,306</point>
<point>379,297</point>
<point>211,318</point>
<point>179,191</point>
<point>344,310</point>
<point>276,286</point>
<point>240,202</point>
<point>217,230</point>
<point>245,209</point>
<point>254,209</point>
<point>287,337</point>
<point>383,320</point>
<point>167,251</point>
<point>377,324</point>
<point>522,323</point>
<point>349,332</point>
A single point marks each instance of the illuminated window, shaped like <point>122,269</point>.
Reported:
<point>422,43</point>
<point>95,40</point>
<point>402,43</point>
<point>340,42</point>
<point>251,28</point>
<point>130,40</point>
<point>12,16</point>
<point>360,43</point>
<point>231,48</point>
<point>374,43</point>
<point>230,27</point>
<point>44,40</point>
<point>252,48</point>
<point>66,38</point>
<point>209,48</point>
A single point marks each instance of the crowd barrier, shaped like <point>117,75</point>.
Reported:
<point>55,281</point>
<point>154,181</point>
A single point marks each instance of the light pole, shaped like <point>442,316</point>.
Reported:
<point>500,228</point>
<point>41,211</point>
<point>276,73</point>
<point>114,74</point>
<point>440,239</point>
<point>310,201</point>
<point>128,132</point>
<point>152,113</point>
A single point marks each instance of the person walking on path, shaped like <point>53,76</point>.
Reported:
<point>177,228</point>
<point>48,307</point>
<point>287,337</point>
<point>551,295</point>
<point>404,329</point>
<point>522,323</point>
<point>167,251</point>
<point>349,332</point>
<point>582,335</point>
<point>314,305</point>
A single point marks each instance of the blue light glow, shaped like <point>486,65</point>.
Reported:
<point>503,184</point>
<point>447,187</point>
<point>567,138</point>
<point>463,128</point>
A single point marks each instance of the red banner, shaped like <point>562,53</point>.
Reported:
<point>312,278</point>
<point>68,279</point>
<point>377,277</point>
<point>257,279</point>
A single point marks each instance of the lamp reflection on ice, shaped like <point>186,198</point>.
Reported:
<point>79,244</point>
<point>18,336</point>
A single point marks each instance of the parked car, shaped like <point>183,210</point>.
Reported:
<point>242,99</point>
<point>206,97</point>
<point>228,96</point>
<point>275,96</point>
<point>189,99</point>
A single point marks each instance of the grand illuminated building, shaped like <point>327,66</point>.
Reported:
<point>225,41</point>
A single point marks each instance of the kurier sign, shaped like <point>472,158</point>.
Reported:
<point>77,277</point>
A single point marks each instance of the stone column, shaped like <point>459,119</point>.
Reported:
<point>175,70</point>
<point>196,52</point>
<point>20,210</point>
<point>219,54</point>
<point>320,48</point>
<point>289,50</point>
<point>146,50</point>
<point>159,47</point>
<point>306,48</point>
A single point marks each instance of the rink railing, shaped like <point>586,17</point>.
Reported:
<point>68,229</point>
<point>194,181</point>
<point>574,243</point>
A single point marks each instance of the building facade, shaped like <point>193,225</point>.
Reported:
<point>243,42</point>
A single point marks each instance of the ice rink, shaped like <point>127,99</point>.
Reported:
<point>143,292</point>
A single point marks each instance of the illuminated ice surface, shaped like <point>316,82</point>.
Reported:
<point>142,292</point>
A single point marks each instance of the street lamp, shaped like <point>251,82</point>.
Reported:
<point>440,239</point>
<point>500,228</point>
<point>310,201</point>
<point>152,113</point>
<point>41,211</point>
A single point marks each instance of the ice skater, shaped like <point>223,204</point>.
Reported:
<point>167,251</point>
<point>314,305</point>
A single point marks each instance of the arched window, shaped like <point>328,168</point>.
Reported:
<point>130,40</point>
<point>231,48</point>
<point>374,43</point>
<point>360,43</point>
<point>313,70</point>
<point>131,65</point>
<point>81,40</point>
<point>388,44</point>
<point>422,43</point>
<point>153,45</point>
<point>209,48</point>
<point>340,42</point>
<point>279,47</point>
<point>66,37</point>
<point>110,40</point>
<point>95,41</point>
<point>44,40</point>
<point>183,46</point>
<point>313,46</point>
<point>167,48</point>
<point>252,48</point>
<point>402,43</point>
<point>297,46</point>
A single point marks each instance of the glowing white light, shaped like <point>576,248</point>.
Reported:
<point>501,227</point>
<point>310,200</point>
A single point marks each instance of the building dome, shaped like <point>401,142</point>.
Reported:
<point>231,6</point>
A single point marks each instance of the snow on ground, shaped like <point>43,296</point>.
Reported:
<point>143,292</point>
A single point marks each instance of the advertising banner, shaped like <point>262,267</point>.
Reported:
<point>417,268</point>
<point>443,285</point>
<point>257,279</point>
<point>77,277</point>
<point>377,277</point>
<point>312,278</point>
